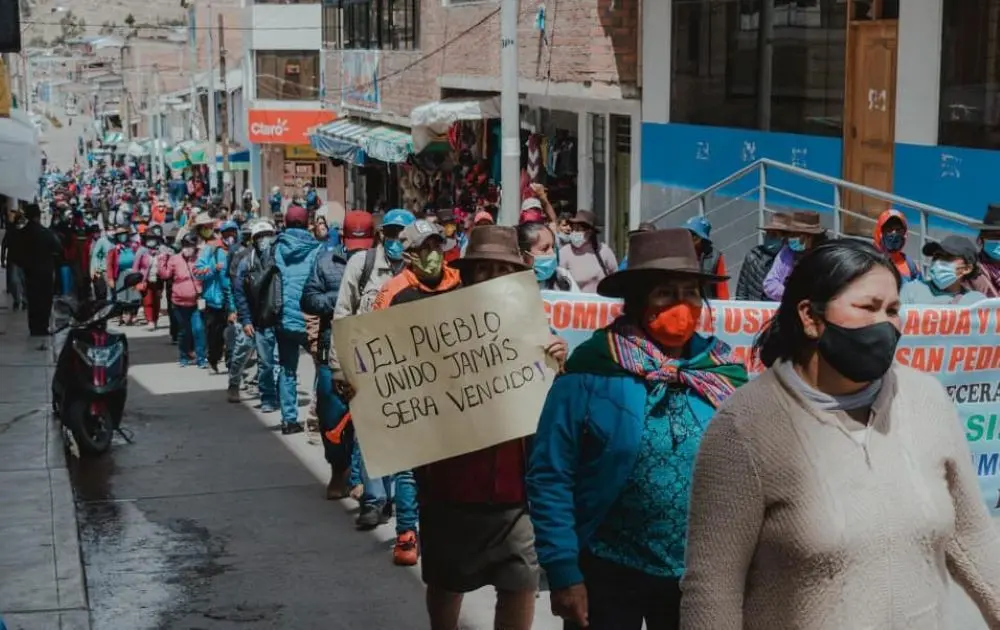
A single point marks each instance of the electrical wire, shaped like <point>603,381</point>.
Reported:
<point>326,95</point>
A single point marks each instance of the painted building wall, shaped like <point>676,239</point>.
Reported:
<point>681,159</point>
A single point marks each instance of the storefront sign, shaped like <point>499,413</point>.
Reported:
<point>447,375</point>
<point>959,345</point>
<point>300,152</point>
<point>361,90</point>
<point>285,126</point>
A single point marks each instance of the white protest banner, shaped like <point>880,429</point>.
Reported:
<point>446,375</point>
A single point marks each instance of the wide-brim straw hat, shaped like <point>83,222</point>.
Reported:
<point>494,243</point>
<point>653,256</point>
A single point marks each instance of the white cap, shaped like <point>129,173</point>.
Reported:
<point>531,203</point>
<point>275,189</point>
<point>261,226</point>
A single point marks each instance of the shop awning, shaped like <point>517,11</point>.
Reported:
<point>431,121</point>
<point>387,144</point>
<point>341,139</point>
<point>113,138</point>
<point>20,156</point>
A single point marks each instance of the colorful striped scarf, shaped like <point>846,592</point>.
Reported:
<point>711,372</point>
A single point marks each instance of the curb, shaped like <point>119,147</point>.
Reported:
<point>70,577</point>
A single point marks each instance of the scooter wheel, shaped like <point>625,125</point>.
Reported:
<point>93,427</point>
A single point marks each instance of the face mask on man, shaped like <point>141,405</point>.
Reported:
<point>577,239</point>
<point>563,239</point>
<point>393,249</point>
<point>992,249</point>
<point>150,244</point>
<point>545,267</point>
<point>229,241</point>
<point>893,242</point>
<point>187,252</point>
<point>773,243</point>
<point>121,238</point>
<point>428,264</point>
<point>264,243</point>
<point>943,274</point>
<point>797,244</point>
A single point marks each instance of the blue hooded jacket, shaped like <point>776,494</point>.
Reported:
<point>215,286</point>
<point>586,446</point>
<point>295,250</point>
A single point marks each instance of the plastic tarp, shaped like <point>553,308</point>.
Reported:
<point>341,139</point>
<point>20,156</point>
<point>387,144</point>
<point>430,122</point>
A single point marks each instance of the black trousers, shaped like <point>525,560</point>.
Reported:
<point>168,291</point>
<point>215,330</point>
<point>620,598</point>
<point>100,288</point>
<point>39,288</point>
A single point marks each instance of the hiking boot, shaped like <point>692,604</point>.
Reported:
<point>370,517</point>
<point>405,553</point>
<point>233,394</point>
<point>291,428</point>
<point>312,424</point>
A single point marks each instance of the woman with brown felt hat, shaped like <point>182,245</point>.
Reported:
<point>587,259</point>
<point>610,470</point>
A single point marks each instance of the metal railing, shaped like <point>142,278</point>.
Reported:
<point>739,205</point>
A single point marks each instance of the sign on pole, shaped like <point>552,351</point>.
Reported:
<point>447,375</point>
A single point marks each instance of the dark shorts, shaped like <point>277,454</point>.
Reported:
<point>465,548</point>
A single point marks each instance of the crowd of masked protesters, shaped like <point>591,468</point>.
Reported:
<point>664,488</point>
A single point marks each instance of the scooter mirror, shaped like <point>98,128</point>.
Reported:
<point>133,279</point>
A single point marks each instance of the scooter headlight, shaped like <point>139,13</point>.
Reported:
<point>98,356</point>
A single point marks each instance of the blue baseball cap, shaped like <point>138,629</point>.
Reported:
<point>398,217</point>
<point>229,225</point>
<point>700,227</point>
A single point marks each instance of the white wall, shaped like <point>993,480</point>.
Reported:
<point>918,71</point>
<point>287,26</point>
<point>656,62</point>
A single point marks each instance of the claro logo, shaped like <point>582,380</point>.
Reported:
<point>272,131</point>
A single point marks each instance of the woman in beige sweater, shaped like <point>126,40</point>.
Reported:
<point>836,492</point>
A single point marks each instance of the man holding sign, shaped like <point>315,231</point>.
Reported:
<point>433,381</point>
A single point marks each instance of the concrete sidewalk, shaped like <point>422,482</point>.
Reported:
<point>42,583</point>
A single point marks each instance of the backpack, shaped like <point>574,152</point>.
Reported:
<point>365,277</point>
<point>262,284</point>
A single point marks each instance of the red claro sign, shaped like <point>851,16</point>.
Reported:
<point>285,126</point>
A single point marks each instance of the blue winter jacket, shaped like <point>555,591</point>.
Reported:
<point>294,252</point>
<point>319,295</point>
<point>215,285</point>
<point>583,453</point>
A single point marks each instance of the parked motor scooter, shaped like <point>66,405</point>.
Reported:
<point>90,383</point>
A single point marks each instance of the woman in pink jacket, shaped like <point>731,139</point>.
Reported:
<point>178,269</point>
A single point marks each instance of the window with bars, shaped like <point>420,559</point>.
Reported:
<point>970,75</point>
<point>372,24</point>
<point>716,58</point>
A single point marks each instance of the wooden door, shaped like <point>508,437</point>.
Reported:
<point>869,118</point>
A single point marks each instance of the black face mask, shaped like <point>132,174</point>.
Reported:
<point>861,355</point>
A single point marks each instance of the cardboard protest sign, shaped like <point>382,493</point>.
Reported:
<point>446,375</point>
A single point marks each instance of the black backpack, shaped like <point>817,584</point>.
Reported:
<point>262,284</point>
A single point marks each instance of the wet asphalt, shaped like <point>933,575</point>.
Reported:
<point>206,521</point>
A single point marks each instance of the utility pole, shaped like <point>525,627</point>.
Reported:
<point>765,68</point>
<point>212,149</point>
<point>192,18</point>
<point>153,123</point>
<point>125,110</point>
<point>27,82</point>
<point>225,101</point>
<point>510,116</point>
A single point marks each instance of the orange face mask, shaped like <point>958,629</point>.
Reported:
<point>673,326</point>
